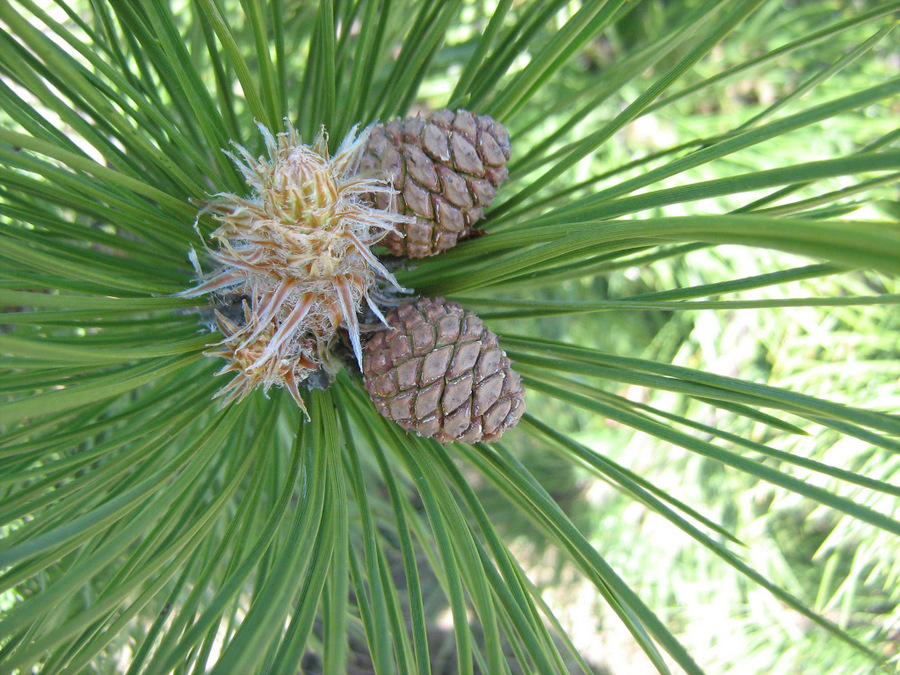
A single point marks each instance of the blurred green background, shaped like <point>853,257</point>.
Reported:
<point>845,569</point>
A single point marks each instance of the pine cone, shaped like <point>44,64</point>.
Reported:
<point>446,168</point>
<point>439,372</point>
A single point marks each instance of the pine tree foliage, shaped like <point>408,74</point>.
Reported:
<point>144,529</point>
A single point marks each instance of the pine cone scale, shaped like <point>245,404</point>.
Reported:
<point>465,156</point>
<point>454,188</point>
<point>385,385</point>
<point>465,123</point>
<point>427,400</point>
<point>496,416</point>
<point>488,363</point>
<point>420,168</point>
<point>436,363</point>
<point>488,393</point>
<point>491,150</point>
<point>448,330</point>
<point>483,191</point>
<point>408,374</point>
<point>464,359</point>
<point>450,220</point>
<point>423,340</point>
<point>457,393</point>
<point>435,144</point>
<point>401,406</point>
<point>418,199</point>
<point>455,425</point>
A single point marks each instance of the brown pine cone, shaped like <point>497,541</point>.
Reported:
<point>439,372</point>
<point>446,166</point>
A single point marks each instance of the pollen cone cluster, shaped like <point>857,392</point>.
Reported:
<point>296,250</point>
<point>439,372</point>
<point>446,168</point>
